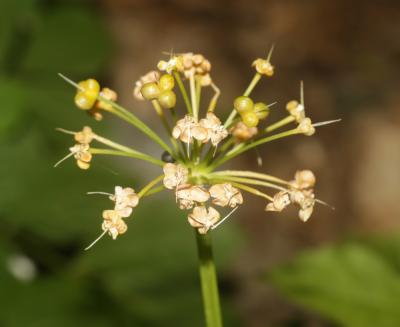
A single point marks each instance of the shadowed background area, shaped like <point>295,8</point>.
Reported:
<point>341,268</point>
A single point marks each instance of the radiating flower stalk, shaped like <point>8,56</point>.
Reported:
<point>197,143</point>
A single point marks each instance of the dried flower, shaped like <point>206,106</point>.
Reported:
<point>113,223</point>
<point>85,136</point>
<point>306,127</point>
<point>263,67</point>
<point>216,132</point>
<point>226,195</point>
<point>82,155</point>
<point>303,179</point>
<point>203,219</point>
<point>280,201</point>
<point>175,174</point>
<point>187,195</point>
<point>296,110</point>
<point>243,133</point>
<point>125,199</point>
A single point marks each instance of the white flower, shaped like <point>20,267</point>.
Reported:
<point>263,67</point>
<point>186,129</point>
<point>296,110</point>
<point>215,130</point>
<point>305,127</point>
<point>85,136</point>
<point>82,155</point>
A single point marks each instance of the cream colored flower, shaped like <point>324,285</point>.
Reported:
<point>242,132</point>
<point>82,155</point>
<point>175,63</point>
<point>305,200</point>
<point>226,195</point>
<point>107,94</point>
<point>215,130</point>
<point>203,219</point>
<point>303,179</point>
<point>196,64</point>
<point>113,223</point>
<point>85,136</point>
<point>188,195</point>
<point>175,174</point>
<point>281,201</point>
<point>296,110</point>
<point>151,76</point>
<point>305,127</point>
<point>263,67</point>
<point>125,200</point>
<point>186,129</point>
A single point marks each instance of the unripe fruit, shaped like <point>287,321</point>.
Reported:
<point>86,98</point>
<point>167,99</point>
<point>243,104</point>
<point>250,119</point>
<point>166,82</point>
<point>150,91</point>
<point>261,109</point>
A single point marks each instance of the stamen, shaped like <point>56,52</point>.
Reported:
<point>70,81</point>
<point>325,204</point>
<point>215,150</point>
<point>270,52</point>
<point>302,93</point>
<point>65,131</point>
<point>102,193</point>
<point>96,240</point>
<point>223,219</point>
<point>63,159</point>
<point>322,123</point>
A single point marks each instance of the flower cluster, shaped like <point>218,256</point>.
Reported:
<point>197,147</point>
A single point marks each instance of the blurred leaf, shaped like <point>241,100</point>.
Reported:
<point>355,284</point>
<point>13,101</point>
<point>69,40</point>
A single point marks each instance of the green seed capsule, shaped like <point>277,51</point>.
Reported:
<point>166,82</point>
<point>167,99</point>
<point>250,119</point>
<point>243,104</point>
<point>150,91</point>
<point>261,109</point>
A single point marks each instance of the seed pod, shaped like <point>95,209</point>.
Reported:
<point>250,119</point>
<point>261,109</point>
<point>243,104</point>
<point>166,82</point>
<point>167,99</point>
<point>150,91</point>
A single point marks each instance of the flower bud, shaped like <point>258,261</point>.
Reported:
<point>150,91</point>
<point>250,119</point>
<point>166,82</point>
<point>243,104</point>
<point>167,99</point>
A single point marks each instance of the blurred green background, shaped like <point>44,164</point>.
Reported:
<point>340,269</point>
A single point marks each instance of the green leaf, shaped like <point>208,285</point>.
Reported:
<point>354,284</point>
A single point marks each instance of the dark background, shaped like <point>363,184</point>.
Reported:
<point>342,268</point>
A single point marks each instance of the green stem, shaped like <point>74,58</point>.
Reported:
<point>136,155</point>
<point>183,92</point>
<point>208,279</point>
<point>246,93</point>
<point>278,124</point>
<point>240,149</point>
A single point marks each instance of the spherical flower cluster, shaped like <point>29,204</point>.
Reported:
<point>196,147</point>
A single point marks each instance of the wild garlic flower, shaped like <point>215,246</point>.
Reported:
<point>226,195</point>
<point>203,219</point>
<point>198,143</point>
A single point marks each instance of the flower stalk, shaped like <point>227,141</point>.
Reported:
<point>209,282</point>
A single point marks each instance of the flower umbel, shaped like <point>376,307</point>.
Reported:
<point>198,144</point>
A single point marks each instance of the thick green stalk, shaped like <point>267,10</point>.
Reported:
<point>208,279</point>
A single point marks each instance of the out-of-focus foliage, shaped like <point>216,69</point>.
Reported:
<point>147,277</point>
<point>356,284</point>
